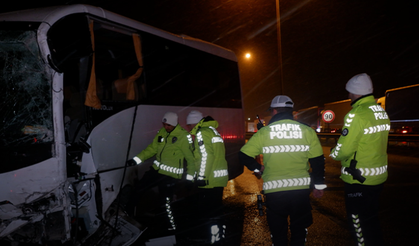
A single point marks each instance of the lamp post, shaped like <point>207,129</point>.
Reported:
<point>278,30</point>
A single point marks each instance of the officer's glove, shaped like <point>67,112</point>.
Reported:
<point>200,182</point>
<point>131,163</point>
<point>259,125</point>
<point>134,161</point>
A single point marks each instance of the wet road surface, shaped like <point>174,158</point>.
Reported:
<point>399,212</point>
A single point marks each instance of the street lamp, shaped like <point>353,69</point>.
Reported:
<point>278,30</point>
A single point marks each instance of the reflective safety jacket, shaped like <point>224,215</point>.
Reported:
<point>209,151</point>
<point>365,132</point>
<point>171,151</point>
<point>287,146</point>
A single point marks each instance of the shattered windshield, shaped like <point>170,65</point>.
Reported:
<point>26,131</point>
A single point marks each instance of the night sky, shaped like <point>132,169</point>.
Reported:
<point>324,43</point>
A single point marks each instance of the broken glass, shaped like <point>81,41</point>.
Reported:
<point>26,132</point>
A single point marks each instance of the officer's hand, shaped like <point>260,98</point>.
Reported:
<point>259,174</point>
<point>318,193</point>
<point>131,163</point>
<point>259,125</point>
<point>200,183</point>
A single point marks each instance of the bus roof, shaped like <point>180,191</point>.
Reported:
<point>50,15</point>
<point>401,88</point>
<point>338,102</point>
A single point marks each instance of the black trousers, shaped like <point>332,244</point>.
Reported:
<point>131,195</point>
<point>209,202</point>
<point>207,210</point>
<point>294,204</point>
<point>362,205</point>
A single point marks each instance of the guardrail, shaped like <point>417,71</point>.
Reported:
<point>404,137</point>
<point>391,136</point>
<point>328,135</point>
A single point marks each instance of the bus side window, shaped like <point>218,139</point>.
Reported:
<point>117,65</point>
<point>120,90</point>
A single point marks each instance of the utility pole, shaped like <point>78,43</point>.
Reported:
<point>278,30</point>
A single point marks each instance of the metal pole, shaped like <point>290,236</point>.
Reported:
<point>278,27</point>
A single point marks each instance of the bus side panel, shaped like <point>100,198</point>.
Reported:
<point>231,128</point>
<point>109,143</point>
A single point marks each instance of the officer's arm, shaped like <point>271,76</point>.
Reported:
<point>317,166</point>
<point>249,162</point>
<point>206,161</point>
<point>186,148</point>
<point>252,149</point>
<point>150,150</point>
<point>145,154</point>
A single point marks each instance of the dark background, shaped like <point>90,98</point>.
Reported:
<point>324,42</point>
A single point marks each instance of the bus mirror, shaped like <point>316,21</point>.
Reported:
<point>69,40</point>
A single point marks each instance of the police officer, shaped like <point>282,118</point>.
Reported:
<point>287,147</point>
<point>172,147</point>
<point>362,150</point>
<point>211,174</point>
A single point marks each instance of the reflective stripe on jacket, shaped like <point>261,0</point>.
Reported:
<point>365,132</point>
<point>287,146</point>
<point>171,151</point>
<point>209,152</point>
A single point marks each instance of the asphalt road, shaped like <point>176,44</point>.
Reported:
<point>399,205</point>
<point>399,211</point>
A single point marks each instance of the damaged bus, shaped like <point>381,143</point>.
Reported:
<point>82,91</point>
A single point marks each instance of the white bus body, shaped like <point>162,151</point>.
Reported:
<point>72,79</point>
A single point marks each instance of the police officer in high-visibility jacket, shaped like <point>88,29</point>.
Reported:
<point>211,175</point>
<point>172,148</point>
<point>362,150</point>
<point>288,147</point>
